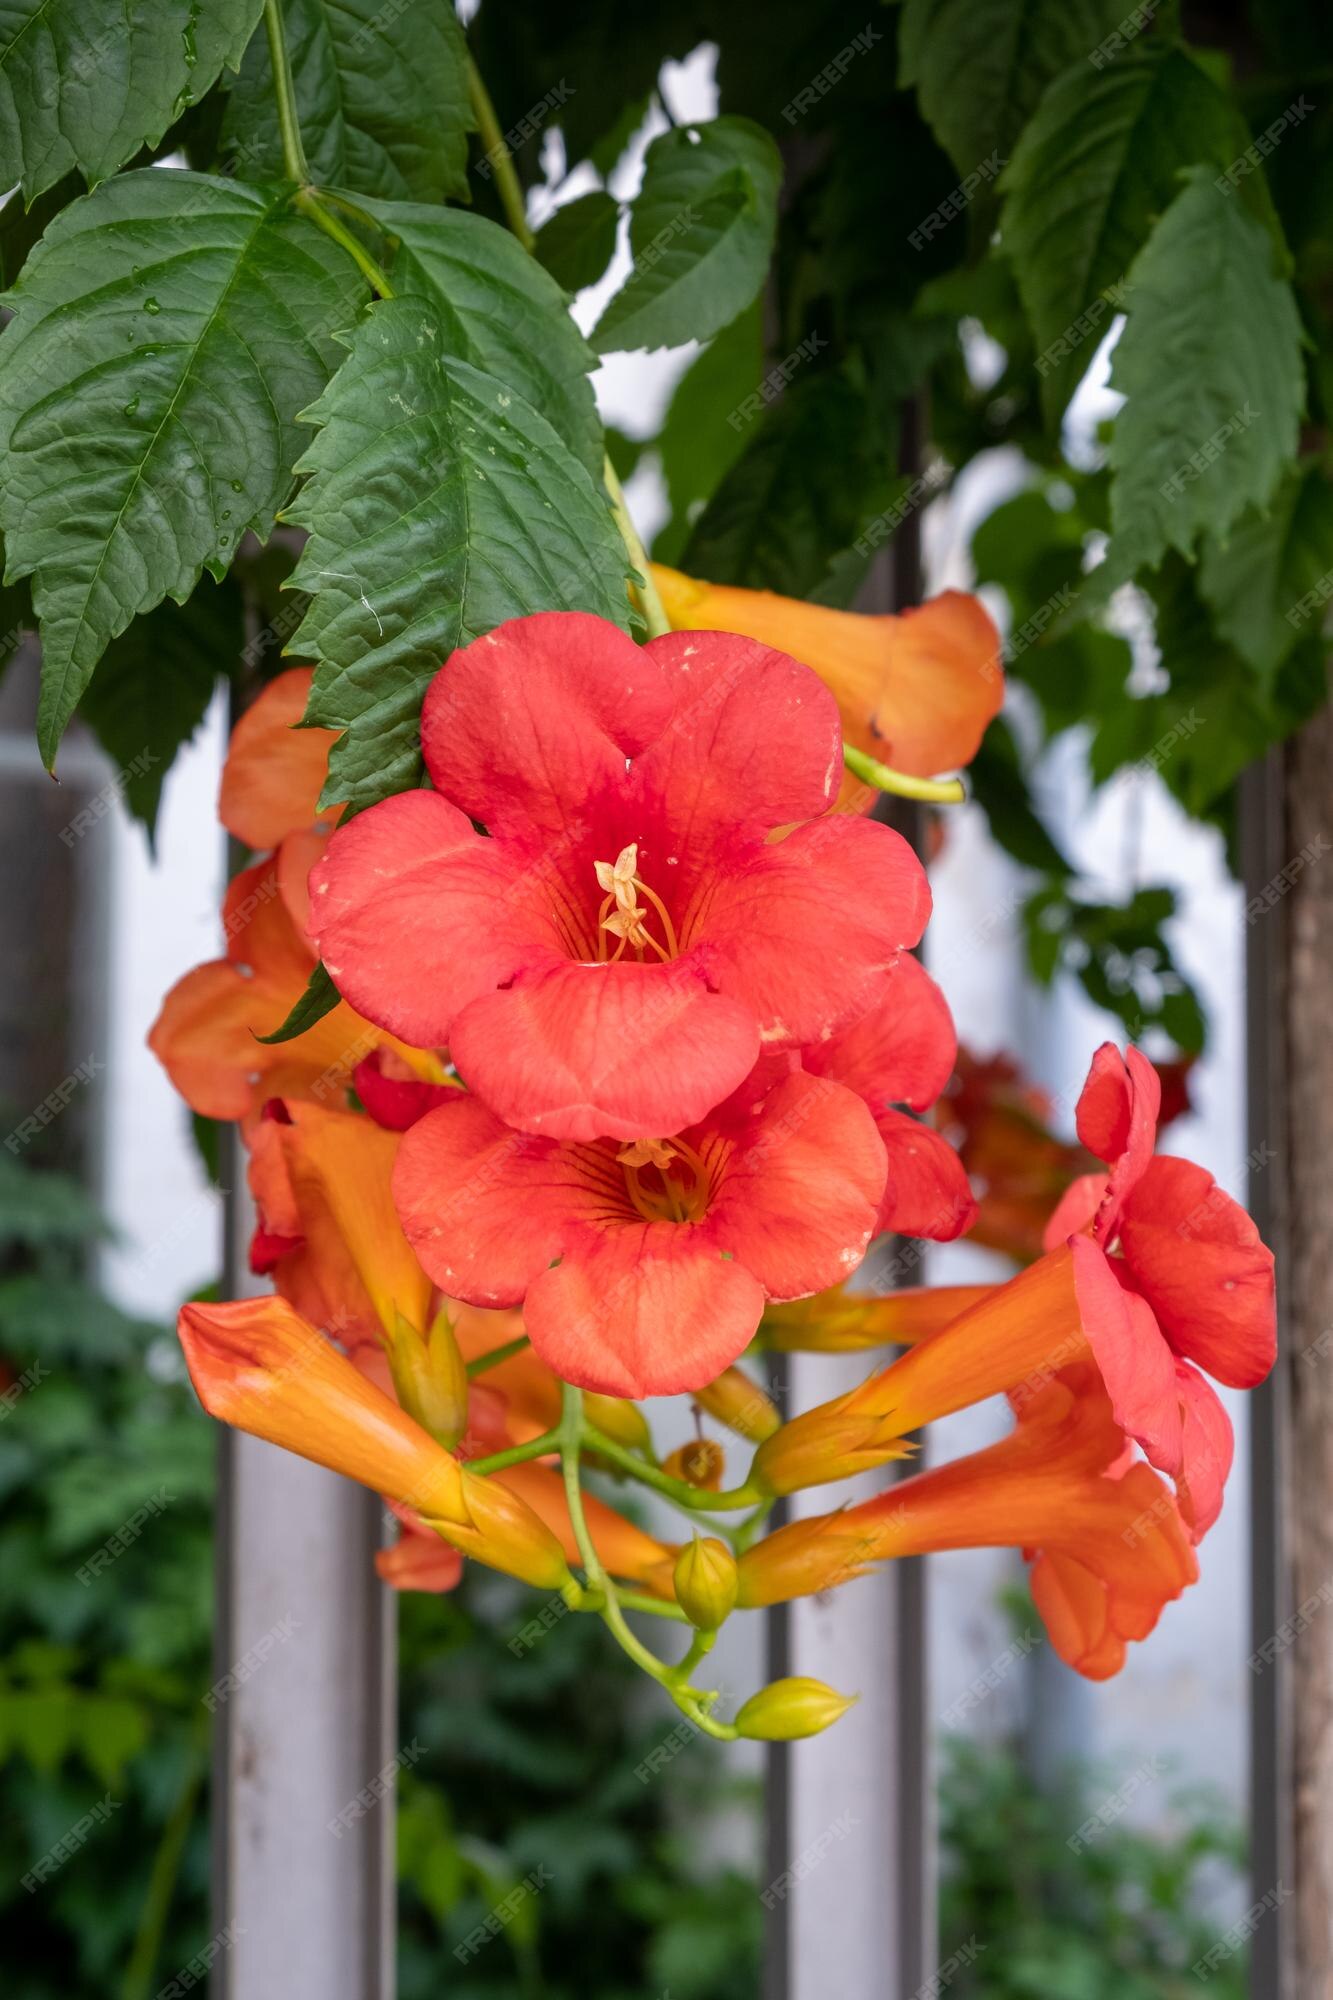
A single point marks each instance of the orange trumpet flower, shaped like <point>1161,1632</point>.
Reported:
<point>915,690</point>
<point>1018,1334</point>
<point>1105,1538</point>
<point>259,1366</point>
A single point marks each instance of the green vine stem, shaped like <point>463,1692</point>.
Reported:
<point>693,1499</point>
<point>645,590</point>
<point>165,1871</point>
<point>696,1703</point>
<point>295,164</point>
<point>936,791</point>
<point>496,149</point>
<point>517,1454</point>
<point>497,1354</point>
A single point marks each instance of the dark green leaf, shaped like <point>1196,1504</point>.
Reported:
<point>714,408</point>
<point>808,485</point>
<point>439,504</point>
<point>321,996</point>
<point>167,330</point>
<point>1094,169</point>
<point>153,685</point>
<point>701,230</point>
<point>85,83</point>
<point>381,93</point>
<point>1210,361</point>
<point>500,311</point>
<point>1271,580</point>
<point>980,66</point>
<point>579,241</point>
<point>1001,790</point>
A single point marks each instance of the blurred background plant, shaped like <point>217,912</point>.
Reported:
<point>531,1765</point>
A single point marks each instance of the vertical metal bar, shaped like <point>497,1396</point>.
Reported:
<point>850,1814</point>
<point>304,1704</point>
<point>1272,1820</point>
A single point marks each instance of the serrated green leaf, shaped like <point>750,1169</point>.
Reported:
<point>1269,582</point>
<point>381,94</point>
<point>167,330</point>
<point>321,996</point>
<point>438,504</point>
<point>701,230</point>
<point>500,311</point>
<point>1210,362</point>
<point>1097,165</point>
<point>579,240</point>
<point>152,687</point>
<point>807,485</point>
<point>980,66</point>
<point>85,83</point>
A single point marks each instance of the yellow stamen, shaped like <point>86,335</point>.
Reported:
<point>623,885</point>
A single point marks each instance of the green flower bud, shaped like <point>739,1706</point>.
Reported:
<point>790,1708</point>
<point>706,1582</point>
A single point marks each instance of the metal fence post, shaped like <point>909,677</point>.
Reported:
<point>304,1720</point>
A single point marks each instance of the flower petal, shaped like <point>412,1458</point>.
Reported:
<point>274,771</point>
<point>485,1208</point>
<point>804,931</point>
<point>1117,1120</point>
<point>916,690</point>
<point>901,1049</point>
<point>416,913</point>
<point>396,1102</point>
<point>798,1198</point>
<point>927,1193</point>
<point>754,742</point>
<point>1076,1210</point>
<point>1136,1364</point>
<point>586,1051</point>
<point>1208,1447</point>
<point>644,1309</point>
<point>529,727</point>
<point>1198,1260</point>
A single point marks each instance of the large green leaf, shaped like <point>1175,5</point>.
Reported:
<point>810,484</point>
<point>711,416</point>
<point>153,685</point>
<point>1268,584</point>
<point>381,93</point>
<point>1094,169</point>
<point>980,66</point>
<point>85,83</point>
<point>579,240</point>
<point>1210,361</point>
<point>167,330</point>
<point>499,310</point>
<point>701,230</point>
<point>439,504</point>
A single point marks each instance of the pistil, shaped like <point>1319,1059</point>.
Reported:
<point>622,915</point>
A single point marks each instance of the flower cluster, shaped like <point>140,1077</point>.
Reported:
<point>627,1070</point>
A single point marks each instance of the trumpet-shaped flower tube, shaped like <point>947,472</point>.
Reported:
<point>1105,1539</point>
<point>607,961</point>
<point>259,1366</point>
<point>915,689</point>
<point>274,771</point>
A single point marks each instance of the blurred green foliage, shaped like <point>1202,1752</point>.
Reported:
<point>529,1765</point>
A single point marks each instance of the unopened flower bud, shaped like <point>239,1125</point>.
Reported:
<point>430,1376</point>
<point>737,1401</point>
<point>617,1419</point>
<point>790,1708</point>
<point>706,1582</point>
<point>700,1463</point>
